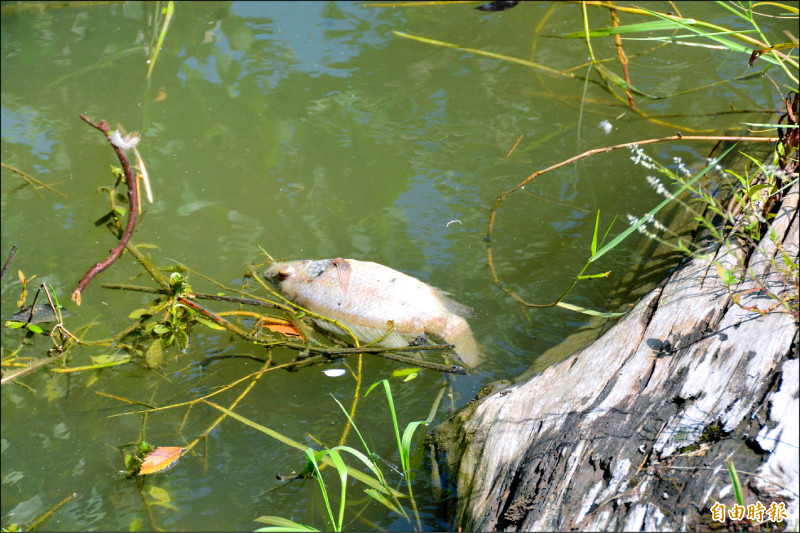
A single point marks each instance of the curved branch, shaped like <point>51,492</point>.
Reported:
<point>133,207</point>
<point>502,197</point>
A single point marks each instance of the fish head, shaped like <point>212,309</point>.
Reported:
<point>295,271</point>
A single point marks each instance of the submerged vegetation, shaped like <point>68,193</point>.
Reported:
<point>734,206</point>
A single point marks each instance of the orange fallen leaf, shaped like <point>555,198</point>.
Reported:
<point>161,96</point>
<point>159,459</point>
<point>286,329</point>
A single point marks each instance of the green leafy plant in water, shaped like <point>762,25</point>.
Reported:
<point>379,490</point>
<point>175,328</point>
<point>740,222</point>
<point>598,249</point>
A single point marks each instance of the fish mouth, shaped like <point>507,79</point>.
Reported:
<point>279,272</point>
<point>271,274</point>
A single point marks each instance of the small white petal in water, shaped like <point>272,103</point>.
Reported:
<point>127,142</point>
<point>334,372</point>
<point>452,222</point>
<point>607,127</point>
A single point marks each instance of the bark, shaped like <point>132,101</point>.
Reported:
<point>633,432</point>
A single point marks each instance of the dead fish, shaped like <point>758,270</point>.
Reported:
<point>366,297</point>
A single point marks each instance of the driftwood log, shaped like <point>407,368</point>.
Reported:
<point>634,431</point>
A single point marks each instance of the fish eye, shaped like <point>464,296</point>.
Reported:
<point>285,272</point>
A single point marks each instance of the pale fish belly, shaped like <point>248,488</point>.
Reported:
<point>366,297</point>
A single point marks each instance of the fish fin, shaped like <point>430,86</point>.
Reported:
<point>452,306</point>
<point>344,270</point>
<point>368,334</point>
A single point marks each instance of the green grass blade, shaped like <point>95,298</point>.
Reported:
<point>727,43</point>
<point>588,311</point>
<point>367,480</point>
<point>388,389</point>
<point>311,457</point>
<point>737,485</point>
<point>405,451</point>
<point>341,469</point>
<point>594,237</point>
<point>656,25</point>
<point>476,51</point>
<point>367,462</point>
<point>360,437</point>
<point>619,238</point>
<point>385,502</point>
<point>169,11</point>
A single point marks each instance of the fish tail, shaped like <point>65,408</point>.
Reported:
<point>467,350</point>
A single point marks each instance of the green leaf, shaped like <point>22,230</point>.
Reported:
<point>410,377</point>
<point>622,236</point>
<point>135,524</point>
<point>154,357</point>
<point>130,461</point>
<point>311,458</point>
<point>753,192</point>
<point>383,500</point>
<point>167,505</point>
<point>694,26</point>
<point>158,494</point>
<point>590,276</point>
<point>283,524</point>
<point>183,339</point>
<point>388,390</point>
<point>138,313</point>
<point>366,460</point>
<point>106,359</point>
<point>725,274</point>
<point>737,486</point>
<point>594,237</point>
<point>208,323</point>
<point>590,312</point>
<point>405,453</point>
<point>341,469</point>
<point>404,372</point>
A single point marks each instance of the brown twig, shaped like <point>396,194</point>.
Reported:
<point>33,181</point>
<point>133,207</point>
<point>329,354</point>
<point>60,325</point>
<point>623,59</point>
<point>12,376</point>
<point>514,147</point>
<point>790,138</point>
<point>36,523</point>
<point>7,264</point>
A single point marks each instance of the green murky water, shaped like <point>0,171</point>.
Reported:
<point>313,130</point>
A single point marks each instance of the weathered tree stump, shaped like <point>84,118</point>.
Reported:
<point>633,432</point>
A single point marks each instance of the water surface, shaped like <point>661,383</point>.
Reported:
<point>314,131</point>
